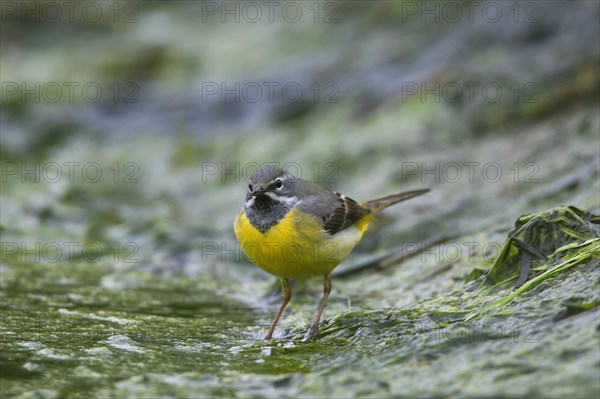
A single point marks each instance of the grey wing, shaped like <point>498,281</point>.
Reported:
<point>336,210</point>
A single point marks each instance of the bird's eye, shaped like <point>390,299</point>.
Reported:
<point>250,187</point>
<point>278,183</point>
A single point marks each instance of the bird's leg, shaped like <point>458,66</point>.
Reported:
<point>286,293</point>
<point>314,328</point>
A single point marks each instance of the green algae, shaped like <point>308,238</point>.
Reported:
<point>169,337</point>
<point>157,312</point>
<point>557,239</point>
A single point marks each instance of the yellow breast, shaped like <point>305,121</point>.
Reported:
<point>297,247</point>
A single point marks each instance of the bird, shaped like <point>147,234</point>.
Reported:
<point>293,229</point>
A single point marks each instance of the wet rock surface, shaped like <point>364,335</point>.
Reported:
<point>120,274</point>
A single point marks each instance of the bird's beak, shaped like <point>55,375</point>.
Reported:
<point>258,190</point>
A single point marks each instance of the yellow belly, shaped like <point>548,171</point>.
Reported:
<point>297,247</point>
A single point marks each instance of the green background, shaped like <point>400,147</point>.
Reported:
<point>120,274</point>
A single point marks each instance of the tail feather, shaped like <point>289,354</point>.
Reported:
<point>378,204</point>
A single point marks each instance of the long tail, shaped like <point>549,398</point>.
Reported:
<point>378,204</point>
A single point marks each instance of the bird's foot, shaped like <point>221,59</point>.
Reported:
<point>312,332</point>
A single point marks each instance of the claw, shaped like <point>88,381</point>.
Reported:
<point>312,332</point>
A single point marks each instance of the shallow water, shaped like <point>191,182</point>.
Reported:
<point>75,335</point>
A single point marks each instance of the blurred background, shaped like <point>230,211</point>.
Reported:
<point>129,129</point>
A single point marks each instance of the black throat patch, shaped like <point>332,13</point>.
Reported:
<point>265,212</point>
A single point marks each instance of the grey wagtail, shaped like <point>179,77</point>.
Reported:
<point>295,229</point>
